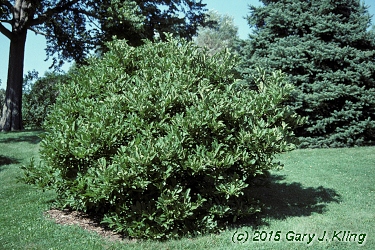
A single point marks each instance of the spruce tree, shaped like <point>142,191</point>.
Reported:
<point>328,51</point>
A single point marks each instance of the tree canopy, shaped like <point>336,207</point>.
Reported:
<point>328,52</point>
<point>220,35</point>
<point>74,28</point>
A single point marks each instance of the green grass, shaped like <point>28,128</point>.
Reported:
<point>318,190</point>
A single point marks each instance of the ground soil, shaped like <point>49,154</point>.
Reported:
<point>66,217</point>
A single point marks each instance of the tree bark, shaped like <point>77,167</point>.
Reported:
<point>11,116</point>
<point>11,119</point>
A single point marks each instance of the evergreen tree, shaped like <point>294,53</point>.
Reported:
<point>328,52</point>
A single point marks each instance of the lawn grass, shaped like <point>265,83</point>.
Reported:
<point>318,190</point>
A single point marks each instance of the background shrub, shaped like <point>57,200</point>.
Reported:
<point>162,140</point>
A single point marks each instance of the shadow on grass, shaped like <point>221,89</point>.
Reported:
<point>22,136</point>
<point>282,200</point>
<point>4,160</point>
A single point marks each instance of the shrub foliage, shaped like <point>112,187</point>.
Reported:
<point>162,140</point>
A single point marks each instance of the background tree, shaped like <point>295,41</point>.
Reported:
<point>74,28</point>
<point>328,52</point>
<point>220,35</point>
<point>39,96</point>
<point>2,96</point>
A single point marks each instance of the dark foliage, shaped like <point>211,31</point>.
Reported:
<point>328,53</point>
<point>162,140</point>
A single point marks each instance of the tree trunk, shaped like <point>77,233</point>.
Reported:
<point>11,119</point>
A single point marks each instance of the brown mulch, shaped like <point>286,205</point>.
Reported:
<point>67,217</point>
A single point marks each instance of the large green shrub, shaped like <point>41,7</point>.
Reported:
<point>161,140</point>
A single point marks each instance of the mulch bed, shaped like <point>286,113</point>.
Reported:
<point>67,217</point>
